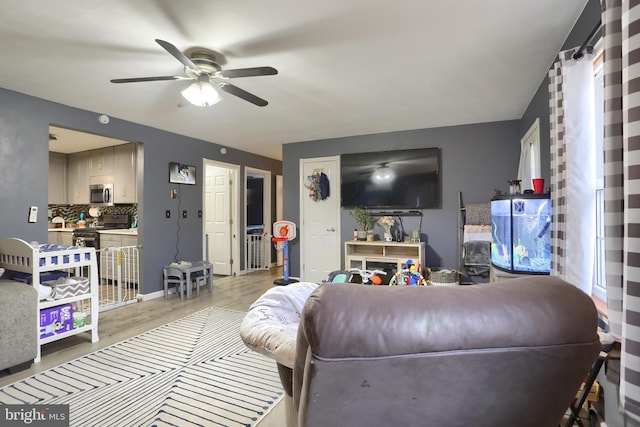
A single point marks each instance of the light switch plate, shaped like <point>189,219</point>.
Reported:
<point>33,214</point>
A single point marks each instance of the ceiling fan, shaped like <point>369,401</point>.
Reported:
<point>208,75</point>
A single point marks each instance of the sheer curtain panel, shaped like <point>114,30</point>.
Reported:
<point>573,181</point>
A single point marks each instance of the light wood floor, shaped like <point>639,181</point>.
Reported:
<point>236,293</point>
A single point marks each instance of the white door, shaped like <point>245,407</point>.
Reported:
<point>218,214</point>
<point>320,221</point>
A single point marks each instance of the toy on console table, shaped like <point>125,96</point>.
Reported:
<point>408,276</point>
<point>369,276</point>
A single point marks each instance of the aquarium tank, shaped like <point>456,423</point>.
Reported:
<point>521,233</point>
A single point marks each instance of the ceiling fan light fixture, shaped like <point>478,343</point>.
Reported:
<point>201,94</point>
<point>383,175</point>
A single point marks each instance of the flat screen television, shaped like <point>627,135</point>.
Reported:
<point>384,180</point>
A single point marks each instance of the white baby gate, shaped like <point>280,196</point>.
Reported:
<point>119,276</point>
<point>255,255</point>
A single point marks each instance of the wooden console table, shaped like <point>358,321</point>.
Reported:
<point>364,255</point>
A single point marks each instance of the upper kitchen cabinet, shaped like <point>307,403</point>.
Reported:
<point>57,178</point>
<point>102,161</point>
<point>78,177</point>
<point>125,173</point>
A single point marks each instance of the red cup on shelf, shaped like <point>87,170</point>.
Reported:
<point>538,185</point>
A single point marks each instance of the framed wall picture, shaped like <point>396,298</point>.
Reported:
<point>182,174</point>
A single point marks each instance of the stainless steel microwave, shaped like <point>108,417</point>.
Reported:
<point>101,194</point>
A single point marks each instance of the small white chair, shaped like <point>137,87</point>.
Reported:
<point>174,276</point>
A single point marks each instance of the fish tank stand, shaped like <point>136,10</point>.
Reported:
<point>520,235</point>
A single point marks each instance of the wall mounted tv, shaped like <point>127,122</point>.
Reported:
<point>384,180</point>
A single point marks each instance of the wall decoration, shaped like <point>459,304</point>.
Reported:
<point>182,174</point>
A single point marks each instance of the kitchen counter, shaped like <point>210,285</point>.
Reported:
<point>121,231</point>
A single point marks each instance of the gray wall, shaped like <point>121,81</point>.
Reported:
<point>475,160</point>
<point>24,130</point>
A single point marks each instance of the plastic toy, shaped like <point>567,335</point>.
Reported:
<point>369,275</point>
<point>283,232</point>
<point>408,276</point>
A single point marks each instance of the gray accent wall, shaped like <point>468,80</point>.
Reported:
<point>475,160</point>
<point>24,130</point>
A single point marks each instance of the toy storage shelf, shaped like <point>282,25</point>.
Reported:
<point>19,256</point>
<point>359,254</point>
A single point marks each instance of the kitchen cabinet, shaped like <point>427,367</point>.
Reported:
<point>116,239</point>
<point>110,240</point>
<point>78,178</point>
<point>124,173</point>
<point>66,238</point>
<point>57,179</point>
<point>63,237</point>
<point>102,161</point>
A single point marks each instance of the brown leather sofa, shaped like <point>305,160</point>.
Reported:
<point>511,353</point>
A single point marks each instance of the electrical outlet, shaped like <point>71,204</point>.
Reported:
<point>184,214</point>
<point>167,214</point>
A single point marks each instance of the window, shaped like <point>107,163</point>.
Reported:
<point>599,277</point>
<point>529,166</point>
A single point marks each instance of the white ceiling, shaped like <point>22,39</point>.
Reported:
<point>345,67</point>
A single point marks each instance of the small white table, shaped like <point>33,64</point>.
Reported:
<point>206,268</point>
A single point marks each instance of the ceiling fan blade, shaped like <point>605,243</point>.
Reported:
<point>249,72</point>
<point>179,55</point>
<point>241,93</point>
<point>146,79</point>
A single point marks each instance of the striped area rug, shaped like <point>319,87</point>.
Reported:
<point>192,372</point>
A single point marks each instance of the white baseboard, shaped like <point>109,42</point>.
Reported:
<point>152,295</point>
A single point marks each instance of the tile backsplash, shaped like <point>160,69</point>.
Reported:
<point>72,212</point>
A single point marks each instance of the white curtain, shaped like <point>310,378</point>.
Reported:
<point>573,169</point>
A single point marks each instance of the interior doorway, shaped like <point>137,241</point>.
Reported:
<point>221,217</point>
<point>319,222</point>
<point>77,159</point>
<point>257,219</point>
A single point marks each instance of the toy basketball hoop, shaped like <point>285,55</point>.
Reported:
<point>279,242</point>
<point>283,231</point>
